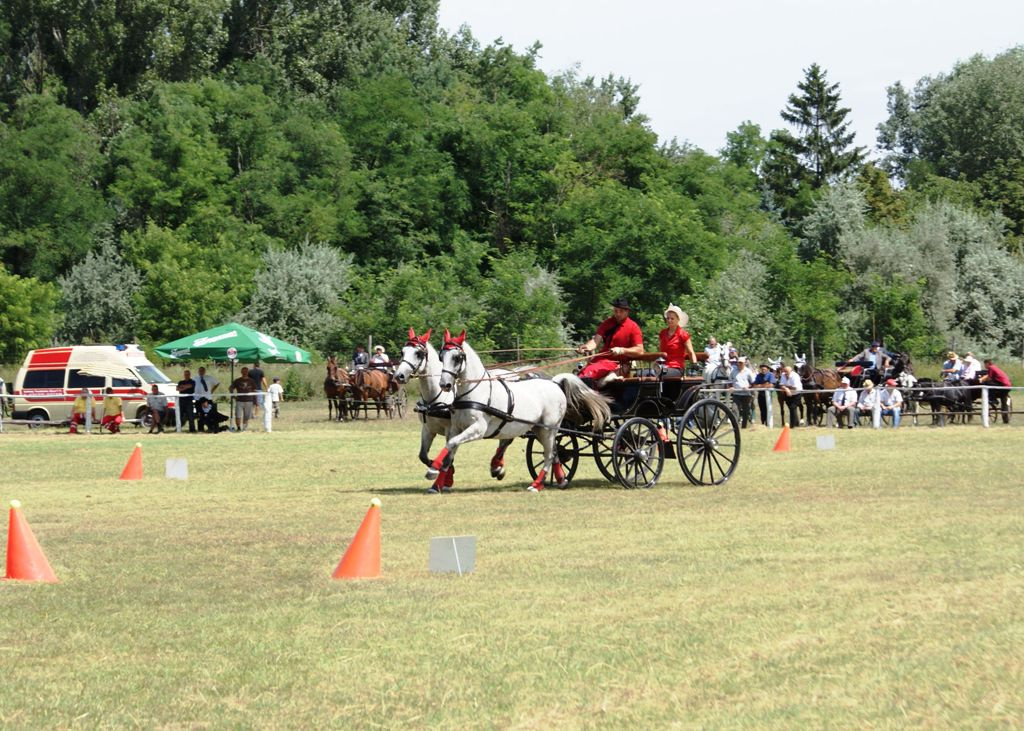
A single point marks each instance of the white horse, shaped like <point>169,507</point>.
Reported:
<point>490,407</point>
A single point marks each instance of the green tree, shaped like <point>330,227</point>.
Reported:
<point>298,292</point>
<point>28,314</point>
<point>50,207</point>
<point>97,298</point>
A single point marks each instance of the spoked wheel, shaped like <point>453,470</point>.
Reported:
<point>603,452</point>
<point>567,447</point>
<point>637,455</point>
<point>708,443</point>
<point>401,401</point>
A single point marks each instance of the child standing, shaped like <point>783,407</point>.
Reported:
<point>276,392</point>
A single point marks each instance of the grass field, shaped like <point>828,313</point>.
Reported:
<point>880,584</point>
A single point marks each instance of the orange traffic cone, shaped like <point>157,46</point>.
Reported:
<point>782,445</point>
<point>133,470</point>
<point>25,559</point>
<point>362,559</point>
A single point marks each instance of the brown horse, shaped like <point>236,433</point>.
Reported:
<point>818,387</point>
<point>336,388</point>
<point>372,385</point>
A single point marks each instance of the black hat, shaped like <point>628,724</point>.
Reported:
<point>622,303</point>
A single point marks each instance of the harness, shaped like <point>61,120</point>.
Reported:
<point>486,408</point>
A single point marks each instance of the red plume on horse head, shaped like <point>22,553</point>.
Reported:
<point>456,342</point>
<point>419,340</point>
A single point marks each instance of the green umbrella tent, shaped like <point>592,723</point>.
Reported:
<point>233,342</point>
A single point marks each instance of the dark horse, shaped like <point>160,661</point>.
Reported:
<point>371,385</point>
<point>336,388</point>
<point>818,386</point>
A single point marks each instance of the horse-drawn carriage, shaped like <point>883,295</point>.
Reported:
<point>629,431</point>
<point>654,418</point>
<point>361,390</point>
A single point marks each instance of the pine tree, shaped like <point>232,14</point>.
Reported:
<point>823,137</point>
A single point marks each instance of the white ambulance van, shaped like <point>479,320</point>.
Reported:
<point>51,378</point>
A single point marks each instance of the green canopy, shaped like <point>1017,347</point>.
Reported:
<point>233,342</point>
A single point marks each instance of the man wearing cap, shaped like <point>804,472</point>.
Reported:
<point>891,401</point>
<point>619,338</point>
<point>742,381</point>
<point>874,359</point>
<point>866,401</point>
<point>763,380</point>
<point>844,402</point>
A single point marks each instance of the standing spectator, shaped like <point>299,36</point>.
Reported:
<point>620,339</point>
<point>867,400</point>
<point>742,380</point>
<point>186,400</point>
<point>995,376</point>
<point>791,387</point>
<point>157,404</point>
<point>79,409</point>
<point>113,412</point>
<point>891,401</point>
<point>360,359</point>
<point>243,386</point>
<point>206,385</point>
<point>763,381</point>
<point>380,359</point>
<point>951,367</point>
<point>257,376</point>
<point>844,403</point>
<point>675,342</point>
<point>276,392</point>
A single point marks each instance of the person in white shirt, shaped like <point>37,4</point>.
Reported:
<point>844,403</point>
<point>276,392</point>
<point>891,401</point>
<point>790,388</point>
<point>156,402</point>
<point>714,360</point>
<point>379,359</point>
<point>742,380</point>
<point>866,401</point>
<point>969,367</point>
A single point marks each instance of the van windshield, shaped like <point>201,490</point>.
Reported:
<point>152,374</point>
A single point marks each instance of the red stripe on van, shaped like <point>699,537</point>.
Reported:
<point>50,358</point>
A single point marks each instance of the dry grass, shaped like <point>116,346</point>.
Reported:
<point>880,584</point>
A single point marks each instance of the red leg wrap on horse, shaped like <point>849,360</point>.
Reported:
<point>436,464</point>
<point>449,476</point>
<point>559,473</point>
<point>538,484</point>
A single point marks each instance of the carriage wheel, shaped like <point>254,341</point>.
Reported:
<point>401,401</point>
<point>637,455</point>
<point>567,447</point>
<point>708,443</point>
<point>603,452</point>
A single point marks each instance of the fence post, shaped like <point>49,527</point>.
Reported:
<point>984,406</point>
<point>876,410</point>
<point>88,413</point>
<point>268,412</point>
<point>769,394</point>
<point>177,414</point>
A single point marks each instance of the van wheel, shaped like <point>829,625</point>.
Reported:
<point>37,419</point>
<point>145,417</point>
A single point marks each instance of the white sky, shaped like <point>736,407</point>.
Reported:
<point>703,68</point>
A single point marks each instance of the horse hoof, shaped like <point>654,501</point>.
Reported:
<point>562,485</point>
<point>432,473</point>
<point>534,488</point>
<point>498,474</point>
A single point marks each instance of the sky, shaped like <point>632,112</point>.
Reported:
<point>704,68</point>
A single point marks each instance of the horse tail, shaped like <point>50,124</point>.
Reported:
<point>578,394</point>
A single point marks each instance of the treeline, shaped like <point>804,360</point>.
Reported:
<point>329,169</point>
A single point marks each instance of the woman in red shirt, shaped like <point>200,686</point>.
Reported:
<point>674,341</point>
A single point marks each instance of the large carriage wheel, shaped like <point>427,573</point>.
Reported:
<point>401,401</point>
<point>603,451</point>
<point>567,447</point>
<point>637,454</point>
<point>708,442</point>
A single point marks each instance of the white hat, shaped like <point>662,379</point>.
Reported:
<point>683,317</point>
<point>380,348</point>
<point>845,380</point>
<point>742,359</point>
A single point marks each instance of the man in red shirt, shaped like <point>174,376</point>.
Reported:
<point>996,376</point>
<point>619,339</point>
